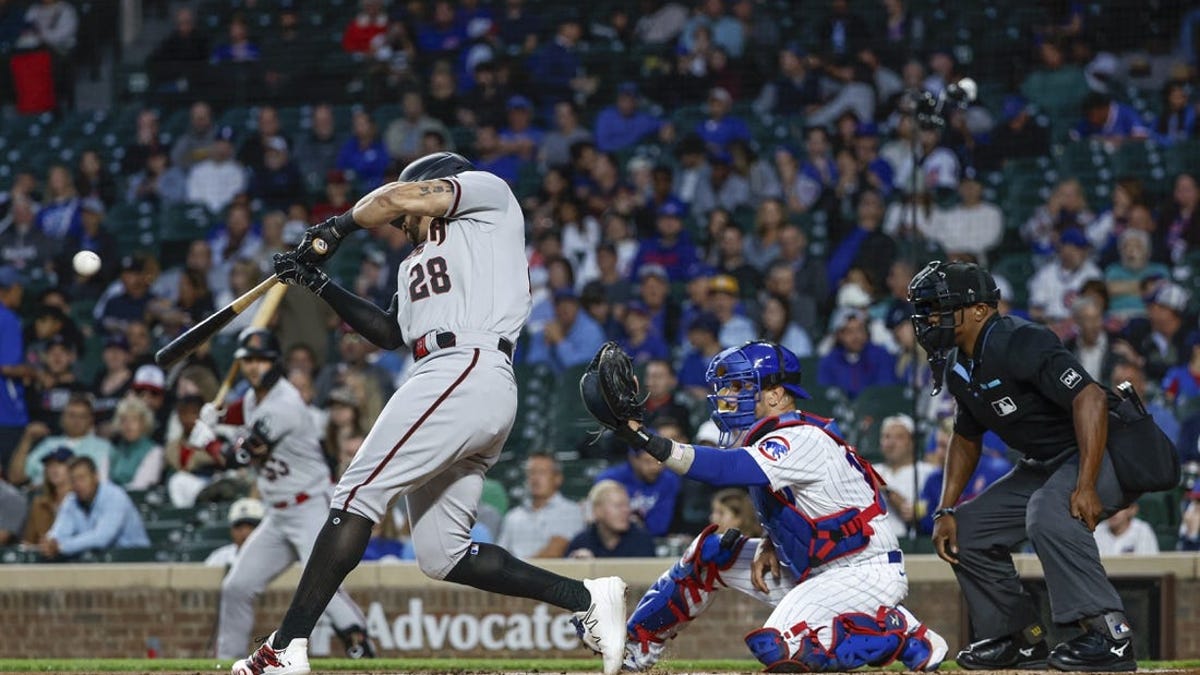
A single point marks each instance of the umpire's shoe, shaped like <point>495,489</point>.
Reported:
<point>1026,650</point>
<point>1105,646</point>
<point>602,626</point>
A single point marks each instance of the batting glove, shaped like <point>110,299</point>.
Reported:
<point>291,270</point>
<point>202,434</point>
<point>211,415</point>
<point>332,231</point>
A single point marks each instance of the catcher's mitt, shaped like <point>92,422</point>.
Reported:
<point>609,388</point>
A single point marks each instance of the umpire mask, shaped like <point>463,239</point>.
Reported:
<point>937,293</point>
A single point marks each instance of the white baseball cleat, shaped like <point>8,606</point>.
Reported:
<point>602,626</point>
<point>266,660</point>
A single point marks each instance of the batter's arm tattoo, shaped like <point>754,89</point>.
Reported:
<point>394,200</point>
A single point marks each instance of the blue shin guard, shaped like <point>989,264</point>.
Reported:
<point>685,590</point>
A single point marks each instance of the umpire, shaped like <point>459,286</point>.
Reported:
<point>1015,378</point>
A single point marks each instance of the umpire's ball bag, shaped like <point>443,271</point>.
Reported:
<point>1143,457</point>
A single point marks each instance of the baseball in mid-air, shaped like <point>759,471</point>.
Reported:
<point>86,263</point>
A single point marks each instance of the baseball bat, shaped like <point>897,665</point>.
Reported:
<point>266,310</point>
<point>197,335</point>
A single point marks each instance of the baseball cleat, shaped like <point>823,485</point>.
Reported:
<point>602,626</point>
<point>1004,653</point>
<point>1094,653</point>
<point>266,660</point>
<point>640,660</point>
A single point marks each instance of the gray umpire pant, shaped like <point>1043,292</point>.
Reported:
<point>1033,501</point>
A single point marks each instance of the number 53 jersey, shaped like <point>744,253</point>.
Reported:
<point>471,274</point>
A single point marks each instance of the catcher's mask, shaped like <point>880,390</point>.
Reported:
<point>940,290</point>
<point>738,374</point>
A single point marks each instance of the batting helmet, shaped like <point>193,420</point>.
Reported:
<point>257,343</point>
<point>737,374</point>
<point>437,165</point>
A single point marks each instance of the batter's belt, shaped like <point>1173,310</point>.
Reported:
<point>434,340</point>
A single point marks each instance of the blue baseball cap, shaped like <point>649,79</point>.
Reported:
<point>628,88</point>
<point>1075,237</point>
<point>565,294</point>
<point>1013,105</point>
<point>519,102</point>
<point>706,322</point>
<point>9,277</point>
<point>673,208</point>
<point>60,454</point>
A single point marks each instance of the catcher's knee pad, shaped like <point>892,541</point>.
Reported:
<point>919,653</point>
<point>771,649</point>
<point>684,591</point>
<point>864,640</point>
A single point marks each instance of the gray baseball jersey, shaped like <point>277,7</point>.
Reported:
<point>445,426</point>
<point>294,482</point>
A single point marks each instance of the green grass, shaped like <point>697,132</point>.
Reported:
<point>421,665</point>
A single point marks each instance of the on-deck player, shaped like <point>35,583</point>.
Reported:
<point>837,594</point>
<point>294,481</point>
<point>464,296</point>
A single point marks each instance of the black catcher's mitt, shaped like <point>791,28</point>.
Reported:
<point>609,389</point>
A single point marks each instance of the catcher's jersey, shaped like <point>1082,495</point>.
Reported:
<point>813,471</point>
<point>471,273</point>
<point>296,463</point>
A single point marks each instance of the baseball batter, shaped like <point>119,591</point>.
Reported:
<point>829,565</point>
<point>293,481</point>
<point>464,296</point>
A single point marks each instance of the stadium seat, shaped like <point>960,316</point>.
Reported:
<point>1017,269</point>
<point>869,409</point>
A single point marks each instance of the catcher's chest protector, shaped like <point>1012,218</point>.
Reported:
<point>803,542</point>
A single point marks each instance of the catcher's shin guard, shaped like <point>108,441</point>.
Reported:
<point>858,640</point>
<point>681,593</point>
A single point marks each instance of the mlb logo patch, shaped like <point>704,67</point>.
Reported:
<point>1070,378</point>
<point>774,447</point>
<point>1004,406</point>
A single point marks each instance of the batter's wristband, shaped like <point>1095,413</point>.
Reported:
<point>948,511</point>
<point>344,225</point>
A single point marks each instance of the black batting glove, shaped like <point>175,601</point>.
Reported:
<point>291,270</point>
<point>332,231</point>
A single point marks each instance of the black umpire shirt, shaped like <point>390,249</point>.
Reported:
<point>1020,384</point>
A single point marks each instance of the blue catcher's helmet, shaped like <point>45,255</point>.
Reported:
<point>738,374</point>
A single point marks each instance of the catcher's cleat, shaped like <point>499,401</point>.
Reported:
<point>358,645</point>
<point>266,660</point>
<point>602,626</point>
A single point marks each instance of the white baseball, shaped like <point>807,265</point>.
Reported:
<point>86,263</point>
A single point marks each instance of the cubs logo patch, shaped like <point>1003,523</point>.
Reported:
<point>774,447</point>
<point>1004,406</point>
<point>1070,378</point>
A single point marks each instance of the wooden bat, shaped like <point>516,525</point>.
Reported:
<point>266,310</point>
<point>197,335</point>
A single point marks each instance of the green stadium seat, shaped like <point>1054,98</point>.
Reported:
<point>572,423</point>
<point>1017,269</point>
<point>125,555</point>
<point>184,223</point>
<point>869,410</point>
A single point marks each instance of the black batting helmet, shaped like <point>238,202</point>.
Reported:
<point>437,165</point>
<point>257,343</point>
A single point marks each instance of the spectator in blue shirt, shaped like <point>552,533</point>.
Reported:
<point>854,363</point>
<point>364,154</point>
<point>652,491</point>
<point>1177,122</point>
<point>724,301</point>
<point>992,467</point>
<point>239,48</point>
<point>520,137</point>
<point>672,248</point>
<point>727,32</point>
<point>721,129</point>
<point>131,299</point>
<point>97,516</point>
<point>59,215</point>
<point>612,534</point>
<point>624,124</point>
<point>1105,118</point>
<point>13,368</point>
<point>491,157</point>
<point>702,338</point>
<point>570,339</point>
<point>556,67</point>
<point>642,340</point>
<point>444,34</point>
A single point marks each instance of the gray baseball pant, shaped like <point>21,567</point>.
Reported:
<point>1033,502</point>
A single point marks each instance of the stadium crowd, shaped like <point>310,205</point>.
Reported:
<point>759,175</point>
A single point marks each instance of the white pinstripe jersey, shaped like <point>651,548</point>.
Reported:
<point>471,273</point>
<point>296,463</point>
<point>812,470</point>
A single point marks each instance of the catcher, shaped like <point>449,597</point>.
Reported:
<point>294,481</point>
<point>828,564</point>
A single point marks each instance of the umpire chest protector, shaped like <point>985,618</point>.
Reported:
<point>1020,384</point>
<point>803,542</point>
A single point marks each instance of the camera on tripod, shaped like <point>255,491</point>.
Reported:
<point>930,111</point>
